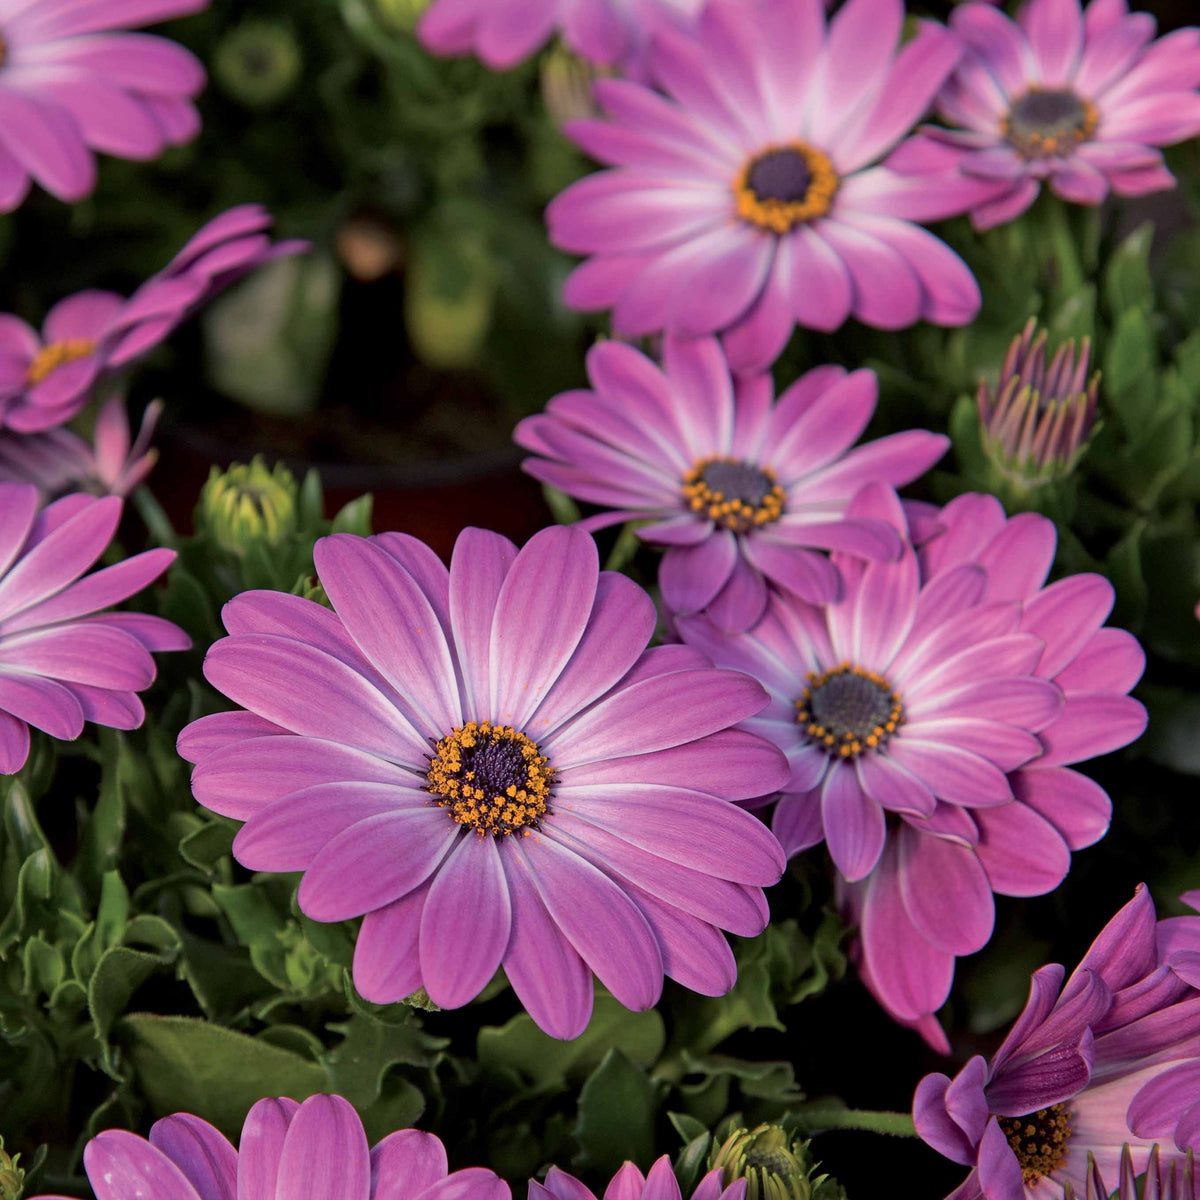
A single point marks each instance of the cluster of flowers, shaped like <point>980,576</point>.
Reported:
<point>490,763</point>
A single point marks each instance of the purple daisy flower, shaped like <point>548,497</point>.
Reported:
<point>505,32</point>
<point>317,1149</point>
<point>1099,1069</point>
<point>902,710</point>
<point>630,1184</point>
<point>1076,99</point>
<point>73,82</point>
<point>63,660</point>
<point>742,491</point>
<point>492,748</point>
<point>59,461</point>
<point>45,380</point>
<point>1093,665</point>
<point>751,198</point>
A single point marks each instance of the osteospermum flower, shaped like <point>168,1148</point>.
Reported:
<point>902,710</point>
<point>63,660</point>
<point>1099,1069</point>
<point>1079,100</point>
<point>72,82</point>
<point>630,1184</point>
<point>59,461</point>
<point>743,492</point>
<point>504,32</point>
<point>317,1149</point>
<point>490,765</point>
<point>45,380</point>
<point>751,197</point>
<point>1094,666</point>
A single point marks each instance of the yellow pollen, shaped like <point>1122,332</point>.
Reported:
<point>49,358</point>
<point>1039,1141</point>
<point>1058,141</point>
<point>739,513</point>
<point>782,213</point>
<point>490,777</point>
<point>849,709</point>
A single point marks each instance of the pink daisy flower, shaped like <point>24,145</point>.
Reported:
<point>742,491</point>
<point>1079,100</point>
<point>63,660</point>
<point>1094,1074</point>
<point>59,461</point>
<point>46,379</point>
<point>630,1184</point>
<point>756,194</point>
<point>317,1149</point>
<point>505,32</point>
<point>73,82</point>
<point>489,766</point>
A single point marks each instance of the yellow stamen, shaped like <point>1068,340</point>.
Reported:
<point>57,354</point>
<point>780,215</point>
<point>732,511</point>
<point>842,740</point>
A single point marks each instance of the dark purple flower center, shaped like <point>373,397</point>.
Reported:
<point>785,186</point>
<point>490,777</point>
<point>733,493</point>
<point>1039,1140</point>
<point>780,175</point>
<point>1047,122</point>
<point>849,709</point>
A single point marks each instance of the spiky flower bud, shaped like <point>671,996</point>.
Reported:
<point>248,504</point>
<point>774,1164</point>
<point>1036,425</point>
<point>12,1178</point>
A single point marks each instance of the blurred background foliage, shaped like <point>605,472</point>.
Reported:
<point>144,971</point>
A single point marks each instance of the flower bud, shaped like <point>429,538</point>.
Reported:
<point>248,504</point>
<point>1036,426</point>
<point>567,86</point>
<point>12,1178</point>
<point>258,63</point>
<point>774,1164</point>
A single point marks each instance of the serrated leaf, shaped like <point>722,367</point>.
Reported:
<point>522,1047</point>
<point>617,1109</point>
<point>368,1051</point>
<point>184,1064</point>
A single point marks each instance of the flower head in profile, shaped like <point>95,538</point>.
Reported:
<point>490,767</point>
<point>630,1184</point>
<point>74,82</point>
<point>754,192</point>
<point>1078,100</point>
<point>317,1150</point>
<point>63,659</point>
<point>745,493</point>
<point>1095,1071</point>
<point>502,33</point>
<point>58,461</point>
<point>46,378</point>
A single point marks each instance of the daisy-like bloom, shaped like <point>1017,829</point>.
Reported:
<point>505,32</point>
<point>1078,100</point>
<point>317,1150</point>
<point>73,81</point>
<point>1094,667</point>
<point>902,710</point>
<point>1093,1071</point>
<point>59,461</point>
<point>743,492</point>
<point>751,197</point>
<point>45,380</point>
<point>630,1184</point>
<point>490,765</point>
<point>63,660</point>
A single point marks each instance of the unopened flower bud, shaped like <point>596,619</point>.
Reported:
<point>247,504</point>
<point>1036,425</point>
<point>258,63</point>
<point>773,1163</point>
<point>567,86</point>
<point>12,1178</point>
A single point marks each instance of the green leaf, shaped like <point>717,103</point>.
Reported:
<point>520,1046</point>
<point>368,1051</point>
<point>184,1064</point>
<point>1130,370</point>
<point>563,508</point>
<point>616,1117</point>
<point>355,517</point>
<point>1127,283</point>
<point>209,845</point>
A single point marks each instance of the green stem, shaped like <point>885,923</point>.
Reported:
<point>157,521</point>
<point>819,1120</point>
<point>1062,247</point>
